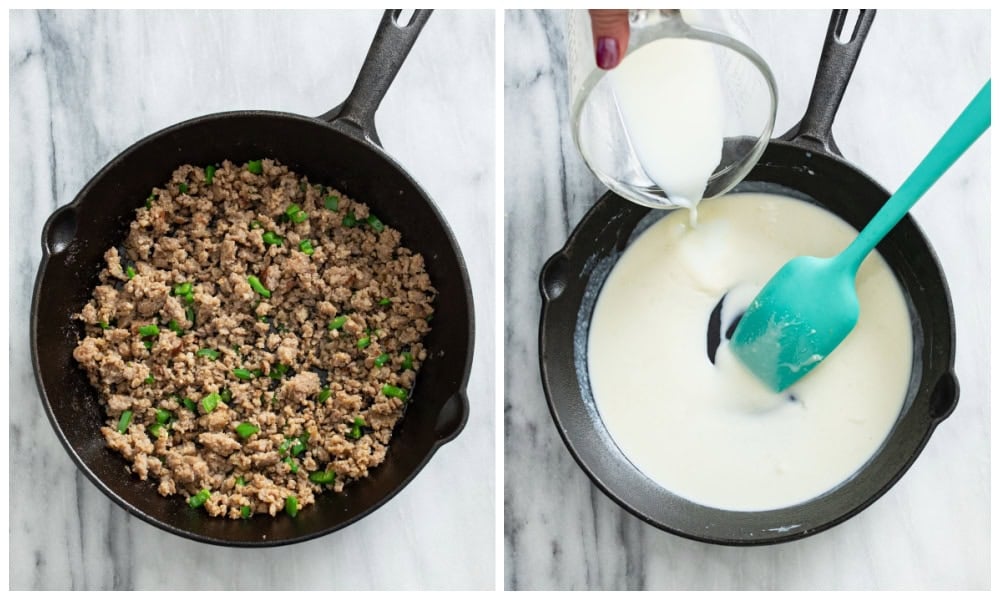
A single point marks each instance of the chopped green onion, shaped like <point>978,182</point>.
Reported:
<point>407,361</point>
<point>199,498</point>
<point>283,447</point>
<point>104,325</point>
<point>324,395</point>
<point>257,372</point>
<point>364,342</point>
<point>255,166</point>
<point>356,428</point>
<point>209,174</point>
<point>174,326</point>
<point>394,392</point>
<point>156,429</point>
<point>306,247</point>
<point>150,380</point>
<point>262,318</point>
<point>292,506</point>
<point>210,402</point>
<point>148,344</point>
<point>278,371</point>
<point>323,477</point>
<point>149,330</point>
<point>381,360</point>
<point>384,302</point>
<point>226,396</point>
<point>163,416</point>
<point>337,323</point>
<point>124,420</point>
<point>298,447</point>
<point>350,220</point>
<point>149,201</point>
<point>190,405</point>
<point>292,209</point>
<point>292,465</point>
<point>332,202</point>
<point>240,480</point>
<point>183,289</point>
<point>299,216</point>
<point>245,511</point>
<point>211,353</point>
<point>258,286</point>
<point>245,430</point>
<point>130,271</point>
<point>272,239</point>
<point>375,224</point>
<point>243,374</point>
<point>183,188</point>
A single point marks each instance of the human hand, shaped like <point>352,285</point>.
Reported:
<point>610,28</point>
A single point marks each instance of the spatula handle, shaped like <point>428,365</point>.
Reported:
<point>966,129</point>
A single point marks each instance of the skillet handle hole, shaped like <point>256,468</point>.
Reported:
<point>403,17</point>
<point>554,277</point>
<point>452,417</point>
<point>848,23</point>
<point>944,398</point>
<point>60,230</point>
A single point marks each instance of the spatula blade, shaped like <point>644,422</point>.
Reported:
<point>798,318</point>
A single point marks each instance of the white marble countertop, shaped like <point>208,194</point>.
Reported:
<point>86,85</point>
<point>932,529</point>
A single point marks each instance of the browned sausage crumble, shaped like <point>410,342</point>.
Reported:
<point>254,340</point>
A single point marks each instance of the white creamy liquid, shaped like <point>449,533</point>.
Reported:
<point>712,433</point>
<point>670,100</point>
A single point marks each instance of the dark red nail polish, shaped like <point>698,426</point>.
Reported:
<point>607,52</point>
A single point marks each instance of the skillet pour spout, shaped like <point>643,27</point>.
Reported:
<point>804,163</point>
<point>341,150</point>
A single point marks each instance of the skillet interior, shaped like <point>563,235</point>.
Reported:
<point>571,280</point>
<point>76,236</point>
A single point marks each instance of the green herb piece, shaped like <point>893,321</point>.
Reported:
<point>174,326</point>
<point>148,344</point>
<point>209,174</point>
<point>292,209</point>
<point>356,428</point>
<point>199,498</point>
<point>384,302</point>
<point>324,395</point>
<point>226,396</point>
<point>292,465</point>
<point>278,371</point>
<point>298,447</point>
<point>258,286</point>
<point>210,402</point>
<point>407,361</point>
<point>245,511</point>
<point>350,220</point>
<point>124,420</point>
<point>163,416</point>
<point>150,380</point>
<point>323,477</point>
<point>157,430</point>
<point>190,405</point>
<point>381,360</point>
<point>292,506</point>
<point>255,166</point>
<point>245,430</point>
<point>243,374</point>
<point>284,446</point>
<point>240,481</point>
<point>364,342</point>
<point>183,289</point>
<point>299,216</point>
<point>394,392</point>
<point>337,323</point>
<point>272,239</point>
<point>149,330</point>
<point>332,202</point>
<point>183,188</point>
<point>210,353</point>
<point>104,325</point>
<point>262,318</point>
<point>375,223</point>
<point>130,271</point>
<point>306,247</point>
<point>149,201</point>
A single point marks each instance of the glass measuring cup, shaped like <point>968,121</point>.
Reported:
<point>748,96</point>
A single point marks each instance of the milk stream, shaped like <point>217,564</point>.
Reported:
<point>670,99</point>
<point>690,416</point>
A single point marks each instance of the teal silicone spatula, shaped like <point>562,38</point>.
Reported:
<point>810,305</point>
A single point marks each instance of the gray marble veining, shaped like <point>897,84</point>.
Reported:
<point>83,87</point>
<point>931,530</point>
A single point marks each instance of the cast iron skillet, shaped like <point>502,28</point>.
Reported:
<point>804,163</point>
<point>341,149</point>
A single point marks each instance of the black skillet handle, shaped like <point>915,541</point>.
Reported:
<point>392,43</point>
<point>836,65</point>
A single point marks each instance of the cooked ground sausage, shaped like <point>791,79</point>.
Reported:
<point>287,316</point>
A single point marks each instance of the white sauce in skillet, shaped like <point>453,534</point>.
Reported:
<point>709,431</point>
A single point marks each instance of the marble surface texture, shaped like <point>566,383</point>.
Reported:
<point>932,529</point>
<point>83,87</point>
